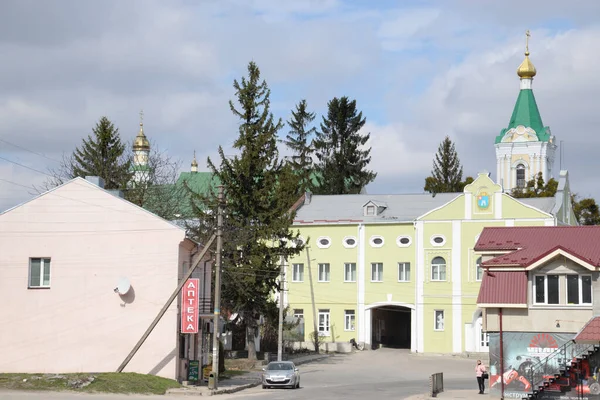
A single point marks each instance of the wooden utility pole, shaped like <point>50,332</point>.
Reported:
<point>280,333</point>
<point>187,276</point>
<point>217,313</point>
<point>312,299</point>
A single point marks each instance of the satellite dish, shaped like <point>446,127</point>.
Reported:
<point>123,286</point>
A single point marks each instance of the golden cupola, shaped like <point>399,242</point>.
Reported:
<point>141,141</point>
<point>526,70</point>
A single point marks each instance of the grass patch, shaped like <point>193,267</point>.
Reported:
<point>109,382</point>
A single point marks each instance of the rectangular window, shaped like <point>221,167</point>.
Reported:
<point>438,322</point>
<point>324,272</point>
<point>579,289</point>
<point>39,272</point>
<point>350,272</point>
<point>478,270</point>
<point>370,210</point>
<point>376,272</point>
<point>298,273</point>
<point>324,322</point>
<point>546,289</point>
<point>403,272</point>
<point>349,319</point>
<point>438,272</point>
<point>298,314</point>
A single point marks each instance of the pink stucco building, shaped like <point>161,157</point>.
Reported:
<point>62,255</point>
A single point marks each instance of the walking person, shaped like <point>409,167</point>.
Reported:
<point>481,374</point>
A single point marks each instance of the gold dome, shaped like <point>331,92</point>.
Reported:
<point>526,70</point>
<point>141,141</point>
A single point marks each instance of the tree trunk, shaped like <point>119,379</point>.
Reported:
<point>250,336</point>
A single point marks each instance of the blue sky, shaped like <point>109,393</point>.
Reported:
<point>419,70</point>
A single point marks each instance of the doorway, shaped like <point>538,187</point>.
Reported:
<point>482,339</point>
<point>391,327</point>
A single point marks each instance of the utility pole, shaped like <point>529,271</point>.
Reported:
<point>217,313</point>
<point>280,333</point>
<point>312,299</point>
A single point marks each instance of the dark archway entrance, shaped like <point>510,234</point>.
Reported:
<point>390,327</point>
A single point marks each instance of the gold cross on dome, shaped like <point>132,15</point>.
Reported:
<point>527,35</point>
<point>141,117</point>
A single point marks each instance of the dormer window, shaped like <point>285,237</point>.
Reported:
<point>370,210</point>
<point>323,242</point>
<point>373,208</point>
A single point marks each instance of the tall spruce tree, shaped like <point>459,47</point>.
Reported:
<point>446,175</point>
<point>339,147</point>
<point>299,141</point>
<point>259,190</point>
<point>103,154</point>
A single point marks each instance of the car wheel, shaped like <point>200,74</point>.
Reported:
<point>265,387</point>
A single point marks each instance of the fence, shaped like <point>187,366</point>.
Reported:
<point>436,384</point>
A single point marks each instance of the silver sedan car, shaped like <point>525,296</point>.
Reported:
<point>281,374</point>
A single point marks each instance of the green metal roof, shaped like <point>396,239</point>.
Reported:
<point>526,113</point>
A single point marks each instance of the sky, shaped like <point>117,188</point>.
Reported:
<point>418,70</point>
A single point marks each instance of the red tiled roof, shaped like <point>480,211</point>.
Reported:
<point>590,333</point>
<point>526,245</point>
<point>503,287</point>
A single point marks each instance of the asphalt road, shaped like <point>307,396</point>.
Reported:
<point>377,375</point>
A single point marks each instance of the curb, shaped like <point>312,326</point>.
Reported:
<point>207,392</point>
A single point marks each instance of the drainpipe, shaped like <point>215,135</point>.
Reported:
<point>501,355</point>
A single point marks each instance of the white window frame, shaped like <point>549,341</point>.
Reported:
<point>370,210</point>
<point>45,262</point>
<point>349,320</point>
<point>435,244</point>
<point>534,293</point>
<point>298,272</point>
<point>435,320</point>
<point>402,244</point>
<point>580,289</point>
<point>321,269</point>
<point>326,326</point>
<point>377,273</point>
<point>438,270</point>
<point>323,246</point>
<point>299,313</point>
<point>346,266</point>
<point>478,269</point>
<point>371,241</point>
<point>350,246</point>
<point>403,276</point>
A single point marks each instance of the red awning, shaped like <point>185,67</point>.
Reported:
<point>503,288</point>
<point>590,333</point>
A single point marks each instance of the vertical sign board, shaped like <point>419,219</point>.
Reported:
<point>193,370</point>
<point>189,306</point>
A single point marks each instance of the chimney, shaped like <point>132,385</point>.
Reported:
<point>117,193</point>
<point>96,180</point>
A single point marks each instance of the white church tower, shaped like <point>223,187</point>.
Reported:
<point>526,147</point>
<point>141,153</point>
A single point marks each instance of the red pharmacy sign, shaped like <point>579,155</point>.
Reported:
<point>189,306</point>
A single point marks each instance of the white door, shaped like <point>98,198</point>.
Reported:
<point>482,338</point>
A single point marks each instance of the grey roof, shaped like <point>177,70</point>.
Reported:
<point>545,204</point>
<point>349,208</point>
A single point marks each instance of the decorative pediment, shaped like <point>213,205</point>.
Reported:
<point>520,134</point>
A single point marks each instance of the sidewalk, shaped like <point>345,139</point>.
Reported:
<point>454,394</point>
<point>238,383</point>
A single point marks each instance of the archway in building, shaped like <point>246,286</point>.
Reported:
<point>391,327</point>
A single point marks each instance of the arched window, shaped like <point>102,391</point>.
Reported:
<point>438,269</point>
<point>520,176</point>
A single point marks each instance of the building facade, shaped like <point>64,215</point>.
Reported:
<point>400,270</point>
<point>85,272</point>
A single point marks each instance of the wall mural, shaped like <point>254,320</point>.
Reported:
<point>523,350</point>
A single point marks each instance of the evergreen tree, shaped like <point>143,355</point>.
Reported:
<point>299,141</point>
<point>446,175</point>
<point>103,154</point>
<point>536,187</point>
<point>342,159</point>
<point>260,189</point>
<point>586,210</point>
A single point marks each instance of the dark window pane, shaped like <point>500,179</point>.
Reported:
<point>34,273</point>
<point>404,240</point>
<point>553,289</point>
<point>540,296</point>
<point>573,289</point>
<point>438,239</point>
<point>586,289</point>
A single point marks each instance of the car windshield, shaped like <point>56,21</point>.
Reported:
<point>279,367</point>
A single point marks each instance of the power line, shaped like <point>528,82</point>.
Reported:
<point>25,166</point>
<point>30,151</point>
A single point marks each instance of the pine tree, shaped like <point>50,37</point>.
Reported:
<point>446,175</point>
<point>339,147</point>
<point>299,141</point>
<point>260,189</point>
<point>103,154</point>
